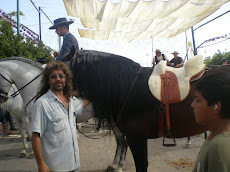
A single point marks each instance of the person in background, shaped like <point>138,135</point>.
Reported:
<point>4,118</point>
<point>211,107</point>
<point>176,61</point>
<point>42,62</point>
<point>55,54</point>
<point>159,57</point>
<point>11,122</point>
<point>54,135</point>
<point>62,29</point>
<point>224,62</point>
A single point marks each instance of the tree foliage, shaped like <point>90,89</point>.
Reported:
<point>13,45</point>
<point>218,58</point>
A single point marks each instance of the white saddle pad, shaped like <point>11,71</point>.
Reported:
<point>192,67</point>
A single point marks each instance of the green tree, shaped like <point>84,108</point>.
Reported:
<point>13,45</point>
<point>217,58</point>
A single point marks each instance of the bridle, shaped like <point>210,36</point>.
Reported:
<point>17,92</point>
<point>4,94</point>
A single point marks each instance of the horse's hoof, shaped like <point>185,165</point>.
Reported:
<point>188,145</point>
<point>23,154</point>
<point>119,170</point>
<point>110,169</point>
<point>31,156</point>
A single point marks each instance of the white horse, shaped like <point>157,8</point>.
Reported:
<point>26,75</point>
<point>16,108</point>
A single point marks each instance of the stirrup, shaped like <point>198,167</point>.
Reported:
<point>168,133</point>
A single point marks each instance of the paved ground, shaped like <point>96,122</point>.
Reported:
<point>96,155</point>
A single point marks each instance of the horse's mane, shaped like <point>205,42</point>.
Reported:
<point>26,60</point>
<point>105,79</point>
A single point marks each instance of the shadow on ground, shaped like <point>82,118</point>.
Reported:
<point>102,170</point>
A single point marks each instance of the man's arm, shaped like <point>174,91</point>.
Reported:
<point>167,60</point>
<point>36,144</point>
<point>153,62</point>
<point>180,64</point>
<point>69,41</point>
<point>170,63</point>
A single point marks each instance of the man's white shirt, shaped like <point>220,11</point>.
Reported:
<point>57,128</point>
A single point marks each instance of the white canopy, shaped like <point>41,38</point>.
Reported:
<point>139,20</point>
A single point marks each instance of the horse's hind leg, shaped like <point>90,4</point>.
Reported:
<point>188,144</point>
<point>138,147</point>
<point>205,135</point>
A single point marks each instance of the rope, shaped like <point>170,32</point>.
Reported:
<point>94,137</point>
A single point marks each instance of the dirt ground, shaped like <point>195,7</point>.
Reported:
<point>96,155</point>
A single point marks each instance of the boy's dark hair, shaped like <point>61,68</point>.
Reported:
<point>216,88</point>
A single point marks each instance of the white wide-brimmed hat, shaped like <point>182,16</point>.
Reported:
<point>175,52</point>
<point>158,50</point>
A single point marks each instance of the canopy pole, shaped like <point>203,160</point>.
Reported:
<point>193,40</point>
<point>152,48</point>
<point>186,39</point>
<point>40,28</point>
<point>18,22</point>
<point>212,19</point>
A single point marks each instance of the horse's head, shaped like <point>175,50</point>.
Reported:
<point>5,85</point>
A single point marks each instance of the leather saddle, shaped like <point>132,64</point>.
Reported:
<point>172,85</point>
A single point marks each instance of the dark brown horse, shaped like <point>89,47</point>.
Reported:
<point>106,80</point>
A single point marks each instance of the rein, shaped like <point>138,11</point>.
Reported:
<point>14,94</point>
<point>126,100</point>
<point>121,111</point>
<point>6,79</point>
<point>17,92</point>
<point>2,93</point>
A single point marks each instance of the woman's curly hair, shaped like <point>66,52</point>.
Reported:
<point>57,65</point>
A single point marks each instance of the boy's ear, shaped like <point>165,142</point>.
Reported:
<point>217,107</point>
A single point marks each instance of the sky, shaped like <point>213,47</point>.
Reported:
<point>139,51</point>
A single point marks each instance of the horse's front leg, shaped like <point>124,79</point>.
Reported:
<point>138,147</point>
<point>26,123</point>
<point>124,145</point>
<point>119,159</point>
<point>24,142</point>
